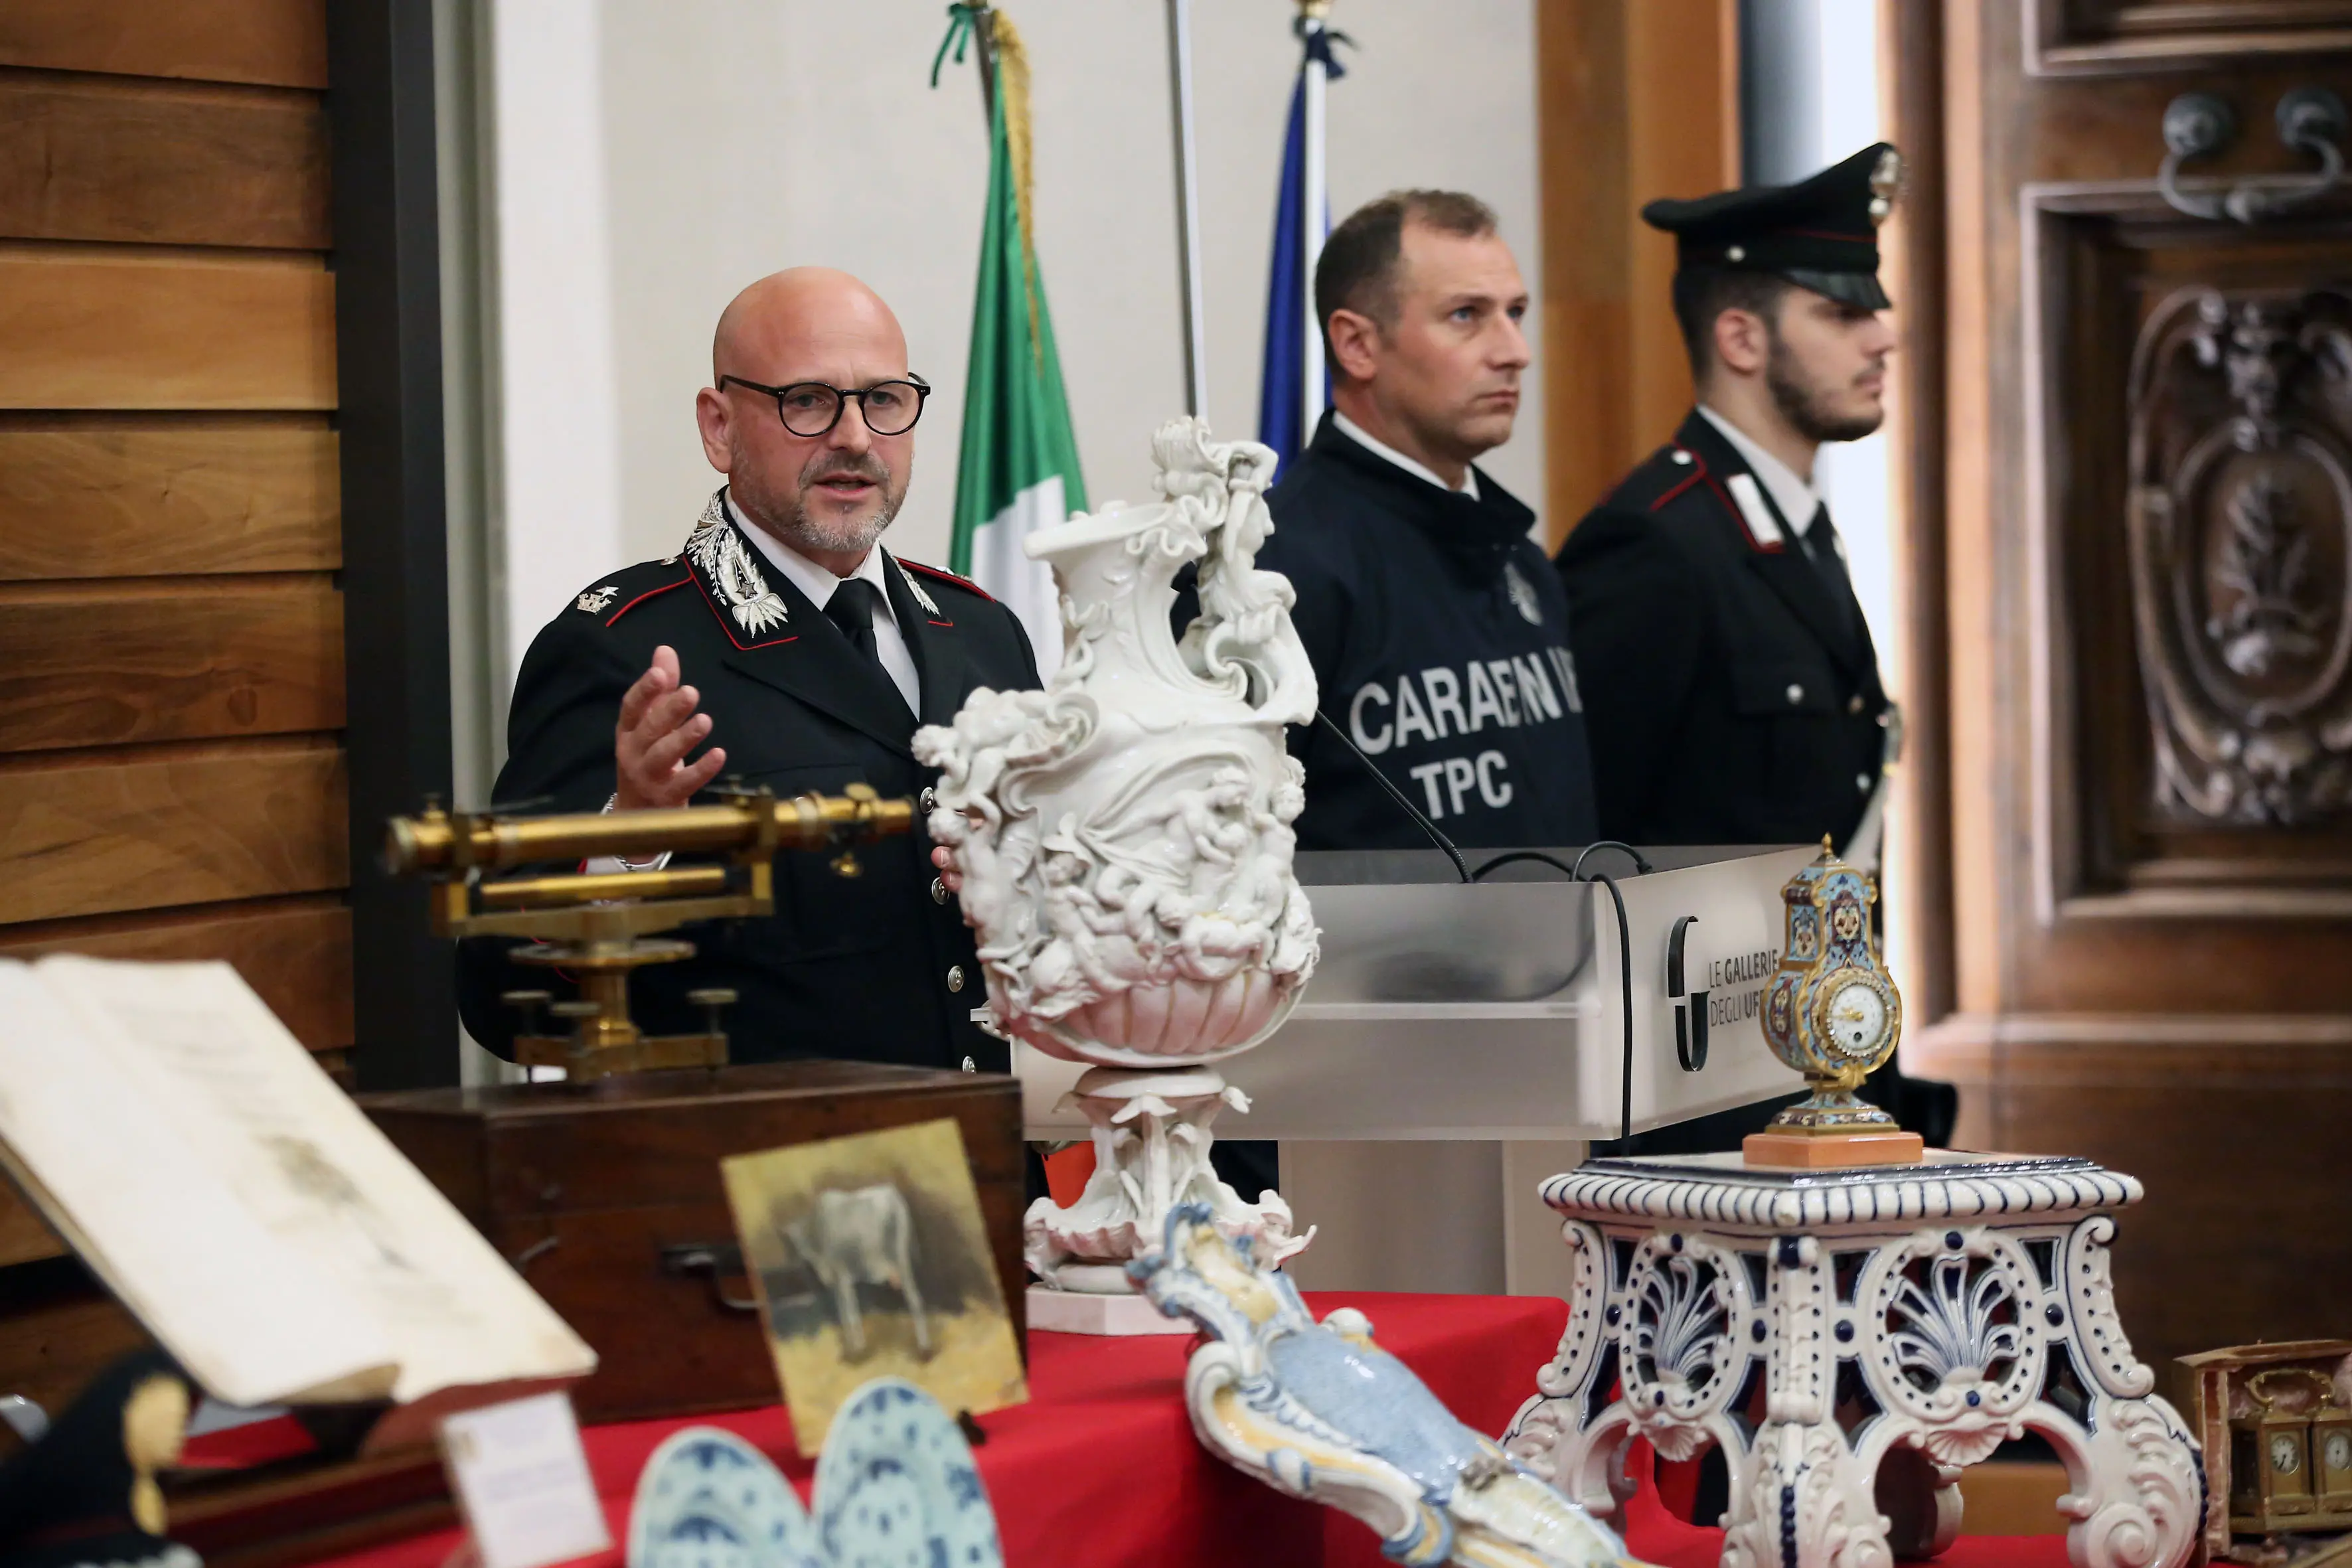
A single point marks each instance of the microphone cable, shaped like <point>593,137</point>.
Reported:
<point>1461,866</point>
<point>1575,873</point>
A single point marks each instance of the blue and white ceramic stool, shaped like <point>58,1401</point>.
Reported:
<point>1812,1322</point>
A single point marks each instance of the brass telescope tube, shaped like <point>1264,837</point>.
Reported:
<point>598,927</point>
<point>436,841</point>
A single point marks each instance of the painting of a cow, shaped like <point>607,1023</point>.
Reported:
<point>837,1233</point>
<point>861,1236</point>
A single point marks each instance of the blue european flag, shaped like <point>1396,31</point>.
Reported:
<point>1289,310</point>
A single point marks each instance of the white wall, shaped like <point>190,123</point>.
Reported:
<point>556,502</point>
<point>730,137</point>
<point>1853,475</point>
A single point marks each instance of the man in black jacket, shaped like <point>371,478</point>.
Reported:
<point>1734,691</point>
<point>1732,685</point>
<point>1438,633</point>
<point>785,635</point>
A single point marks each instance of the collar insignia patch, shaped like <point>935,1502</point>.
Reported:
<point>719,552</point>
<point>930,606</point>
<point>1523,595</point>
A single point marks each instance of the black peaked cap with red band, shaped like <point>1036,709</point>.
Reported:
<point>1820,232</point>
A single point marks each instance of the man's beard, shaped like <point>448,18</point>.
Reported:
<point>789,516</point>
<point>1807,406</point>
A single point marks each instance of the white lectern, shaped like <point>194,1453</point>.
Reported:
<point>1459,1043</point>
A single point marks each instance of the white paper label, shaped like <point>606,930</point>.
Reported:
<point>521,1478</point>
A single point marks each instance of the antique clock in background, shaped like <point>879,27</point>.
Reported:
<point>1834,1013</point>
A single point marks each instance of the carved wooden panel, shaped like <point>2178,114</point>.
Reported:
<point>2189,501</point>
<point>2241,519</point>
<point>2147,968</point>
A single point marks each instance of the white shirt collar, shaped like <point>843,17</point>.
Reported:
<point>809,577</point>
<point>1793,493</point>
<point>1355,432</point>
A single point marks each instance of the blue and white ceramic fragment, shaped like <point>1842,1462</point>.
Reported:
<point>896,1488</point>
<point>708,1499</point>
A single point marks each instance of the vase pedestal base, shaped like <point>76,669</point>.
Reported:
<point>1830,1150</point>
<point>1153,1138</point>
<point>1083,1312</point>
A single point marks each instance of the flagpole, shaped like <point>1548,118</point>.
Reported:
<point>1314,196</point>
<point>983,38</point>
<point>1188,211</point>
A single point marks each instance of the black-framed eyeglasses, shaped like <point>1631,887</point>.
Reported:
<point>812,408</point>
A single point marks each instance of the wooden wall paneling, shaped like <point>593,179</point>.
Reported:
<point>1587,213</point>
<point>277,43</point>
<point>2197,1037</point>
<point>62,1329</point>
<point>108,496</point>
<point>1919,881</point>
<point>172,784</point>
<point>1682,65</point>
<point>94,158</point>
<point>2230,1122</point>
<point>25,1235</point>
<point>397,563</point>
<point>2109,38</point>
<point>107,830</point>
<point>1633,102</point>
<point>295,951</point>
<point>92,327</point>
<point>1973,231</point>
<point>91,664</point>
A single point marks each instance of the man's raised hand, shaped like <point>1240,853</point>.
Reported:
<point>658,726</point>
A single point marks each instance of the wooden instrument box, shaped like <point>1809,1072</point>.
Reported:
<point>606,1196</point>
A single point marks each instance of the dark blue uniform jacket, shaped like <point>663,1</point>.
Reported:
<point>1439,636</point>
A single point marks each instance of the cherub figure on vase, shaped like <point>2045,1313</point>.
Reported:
<point>1125,844</point>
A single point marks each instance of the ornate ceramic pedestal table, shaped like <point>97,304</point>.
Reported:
<point>1811,1323</point>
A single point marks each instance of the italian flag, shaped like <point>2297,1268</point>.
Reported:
<point>1019,468</point>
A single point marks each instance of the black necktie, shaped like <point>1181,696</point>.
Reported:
<point>1821,548</point>
<point>852,608</point>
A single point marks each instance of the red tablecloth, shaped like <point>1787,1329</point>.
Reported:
<point>1100,1470</point>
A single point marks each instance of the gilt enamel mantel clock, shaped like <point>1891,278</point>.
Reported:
<point>1832,1013</point>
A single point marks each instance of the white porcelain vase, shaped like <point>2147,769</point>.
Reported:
<point>1124,838</point>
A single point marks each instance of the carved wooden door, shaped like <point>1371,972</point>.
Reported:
<point>2141,701</point>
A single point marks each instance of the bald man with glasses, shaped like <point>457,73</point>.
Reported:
<point>785,646</point>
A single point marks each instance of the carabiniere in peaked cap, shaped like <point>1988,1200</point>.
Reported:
<point>1819,234</point>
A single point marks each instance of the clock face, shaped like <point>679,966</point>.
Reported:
<point>1857,1018</point>
<point>2286,1454</point>
<point>2340,1451</point>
